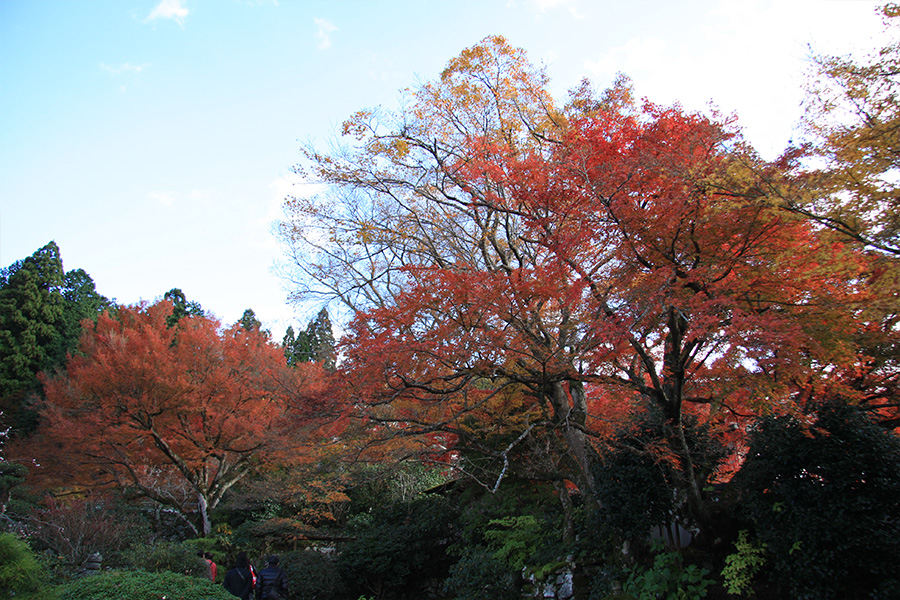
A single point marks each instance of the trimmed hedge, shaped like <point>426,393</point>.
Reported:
<point>140,585</point>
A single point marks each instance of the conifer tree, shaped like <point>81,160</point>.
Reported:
<point>31,313</point>
<point>41,311</point>
<point>181,307</point>
<point>316,344</point>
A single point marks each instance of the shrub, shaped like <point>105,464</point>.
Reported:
<point>76,528</point>
<point>668,579</point>
<point>401,545</point>
<point>311,574</point>
<point>825,500</point>
<point>167,556</point>
<point>514,539</point>
<point>137,585</point>
<point>19,571</point>
<point>479,574</point>
<point>636,480</point>
<point>742,566</point>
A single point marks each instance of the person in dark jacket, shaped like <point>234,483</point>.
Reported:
<point>239,579</point>
<point>272,582</point>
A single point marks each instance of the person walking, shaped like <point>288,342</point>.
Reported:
<point>272,582</point>
<point>211,567</point>
<point>239,579</point>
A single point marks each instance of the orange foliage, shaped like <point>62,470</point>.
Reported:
<point>178,413</point>
<point>524,277</point>
<point>657,273</point>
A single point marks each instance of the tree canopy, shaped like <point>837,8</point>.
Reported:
<point>316,344</point>
<point>177,413</point>
<point>523,274</point>
<point>42,308</point>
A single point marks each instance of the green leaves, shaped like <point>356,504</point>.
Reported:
<point>743,565</point>
<point>41,312</point>
<point>668,579</point>
<point>114,585</point>
<point>824,499</point>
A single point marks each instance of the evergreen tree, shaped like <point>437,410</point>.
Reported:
<point>31,312</point>
<point>41,310</point>
<point>181,307</point>
<point>321,340</point>
<point>6,272</point>
<point>294,345</point>
<point>82,301</point>
<point>316,344</point>
<point>249,321</point>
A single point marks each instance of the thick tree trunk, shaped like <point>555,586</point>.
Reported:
<point>568,511</point>
<point>570,410</point>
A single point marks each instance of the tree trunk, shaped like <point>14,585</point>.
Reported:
<point>568,511</point>
<point>206,526</point>
<point>570,412</point>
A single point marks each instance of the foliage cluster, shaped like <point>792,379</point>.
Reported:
<point>743,565</point>
<point>19,571</point>
<point>668,579</point>
<point>397,546</point>
<point>824,499</point>
<point>503,536</point>
<point>167,557</point>
<point>42,307</point>
<point>313,574</point>
<point>142,585</point>
<point>316,344</point>
<point>77,527</point>
<point>637,481</point>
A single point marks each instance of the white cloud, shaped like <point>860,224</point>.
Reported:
<point>322,33</point>
<point>169,9</point>
<point>123,68</point>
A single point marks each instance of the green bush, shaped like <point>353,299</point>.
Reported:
<point>742,566</point>
<point>514,539</point>
<point>19,571</point>
<point>825,500</point>
<point>138,585</point>
<point>668,579</point>
<point>479,574</point>
<point>400,546</point>
<point>500,535</point>
<point>311,574</point>
<point>167,556</point>
<point>636,484</point>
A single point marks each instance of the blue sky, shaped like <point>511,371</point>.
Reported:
<point>153,140</point>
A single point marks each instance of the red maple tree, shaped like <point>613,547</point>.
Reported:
<point>650,266</point>
<point>179,414</point>
<point>523,276</point>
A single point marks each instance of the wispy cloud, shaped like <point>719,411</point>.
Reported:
<point>169,9</point>
<point>123,68</point>
<point>322,33</point>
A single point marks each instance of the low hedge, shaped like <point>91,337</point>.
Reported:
<point>140,585</point>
